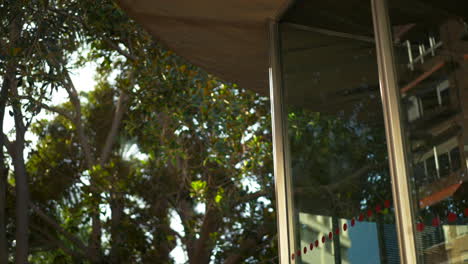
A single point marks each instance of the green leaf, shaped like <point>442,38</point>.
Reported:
<point>219,195</point>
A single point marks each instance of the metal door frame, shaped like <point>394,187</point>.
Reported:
<point>284,203</point>
<point>396,145</point>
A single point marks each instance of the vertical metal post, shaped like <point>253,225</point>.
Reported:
<point>432,43</point>
<point>410,55</point>
<point>286,242</point>
<point>336,241</point>
<point>436,160</point>
<point>395,137</point>
<point>422,51</point>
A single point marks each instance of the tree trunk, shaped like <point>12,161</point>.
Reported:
<point>9,83</point>
<point>22,201</point>
<point>248,244</point>
<point>117,243</point>
<point>3,183</point>
<point>161,241</point>
<point>16,150</point>
<point>3,178</point>
<point>203,246</point>
<point>21,178</point>
<point>95,238</point>
<point>21,187</point>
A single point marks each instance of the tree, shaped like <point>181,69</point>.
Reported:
<point>205,141</point>
<point>339,163</point>
<point>29,59</point>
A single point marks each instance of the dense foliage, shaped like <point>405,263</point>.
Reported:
<point>157,142</point>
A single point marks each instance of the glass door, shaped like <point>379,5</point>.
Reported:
<point>339,199</point>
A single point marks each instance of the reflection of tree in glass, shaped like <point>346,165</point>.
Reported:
<point>339,163</point>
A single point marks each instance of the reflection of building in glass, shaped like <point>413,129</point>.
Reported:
<point>350,246</point>
<point>435,138</point>
<point>433,86</point>
<point>431,97</point>
<point>445,244</point>
<point>456,237</point>
<point>434,112</point>
<point>390,254</point>
<point>313,228</point>
<point>430,241</point>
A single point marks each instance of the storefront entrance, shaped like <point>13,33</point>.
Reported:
<point>369,109</point>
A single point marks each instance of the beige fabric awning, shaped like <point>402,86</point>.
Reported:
<point>227,38</point>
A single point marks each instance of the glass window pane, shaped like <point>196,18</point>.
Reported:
<point>337,149</point>
<point>430,40</point>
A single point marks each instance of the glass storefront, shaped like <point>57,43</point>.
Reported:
<point>344,202</point>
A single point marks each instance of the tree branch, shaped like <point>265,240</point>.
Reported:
<point>118,49</point>
<point>20,128</point>
<point>112,136</point>
<point>251,196</point>
<point>248,245</point>
<point>75,100</point>
<point>58,227</point>
<point>106,40</point>
<point>57,242</point>
<point>94,250</point>
<point>48,108</point>
<point>8,144</point>
<point>203,246</point>
<point>332,187</point>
